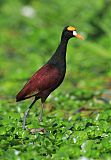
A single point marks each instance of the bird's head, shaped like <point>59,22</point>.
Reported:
<point>70,32</point>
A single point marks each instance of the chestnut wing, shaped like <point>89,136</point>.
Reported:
<point>47,77</point>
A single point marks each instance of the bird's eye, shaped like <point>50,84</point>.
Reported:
<point>74,33</point>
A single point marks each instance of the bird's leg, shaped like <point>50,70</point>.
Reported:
<point>26,113</point>
<point>41,113</point>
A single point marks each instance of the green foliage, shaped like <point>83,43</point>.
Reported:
<point>77,117</point>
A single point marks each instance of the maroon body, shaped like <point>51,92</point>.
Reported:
<point>42,83</point>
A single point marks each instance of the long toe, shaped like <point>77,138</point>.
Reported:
<point>23,127</point>
<point>35,130</point>
<point>40,119</point>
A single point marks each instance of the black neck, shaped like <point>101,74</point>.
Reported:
<point>60,55</point>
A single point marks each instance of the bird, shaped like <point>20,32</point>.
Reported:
<point>49,76</point>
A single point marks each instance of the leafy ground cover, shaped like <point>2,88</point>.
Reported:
<point>77,117</point>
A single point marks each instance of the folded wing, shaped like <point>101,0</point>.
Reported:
<point>47,77</point>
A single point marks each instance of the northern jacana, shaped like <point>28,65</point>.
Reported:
<point>50,76</point>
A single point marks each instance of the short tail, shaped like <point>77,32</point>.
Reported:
<point>21,98</point>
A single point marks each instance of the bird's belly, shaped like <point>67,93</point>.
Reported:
<point>43,94</point>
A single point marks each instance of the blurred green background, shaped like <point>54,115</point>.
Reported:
<point>30,33</point>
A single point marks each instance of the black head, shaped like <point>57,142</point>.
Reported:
<point>70,32</point>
